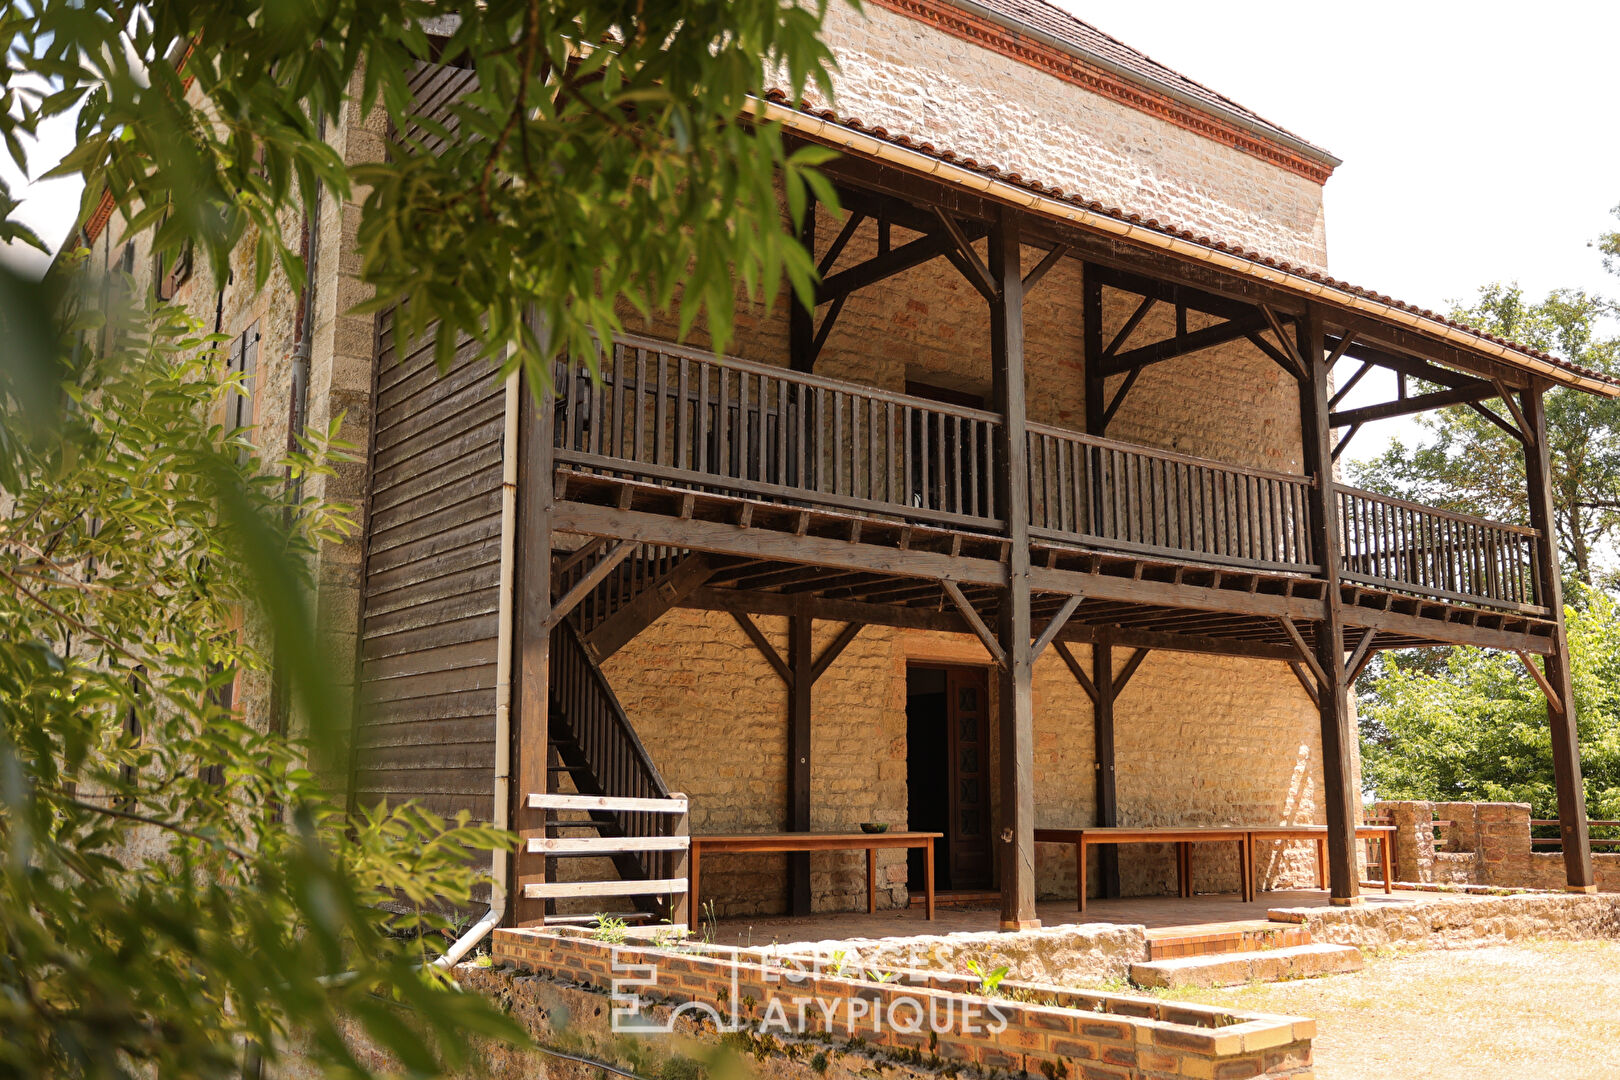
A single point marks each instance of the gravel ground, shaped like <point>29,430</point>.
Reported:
<point>1510,1012</point>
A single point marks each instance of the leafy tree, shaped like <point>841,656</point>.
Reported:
<point>173,879</point>
<point>1470,465</point>
<point>588,121</point>
<point>176,881</point>
<point>1474,727</point>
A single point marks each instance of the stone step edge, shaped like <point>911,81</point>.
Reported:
<point>1232,969</point>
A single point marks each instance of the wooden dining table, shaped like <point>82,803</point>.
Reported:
<point>760,843</point>
<point>1184,837</point>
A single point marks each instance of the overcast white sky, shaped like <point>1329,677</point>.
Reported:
<point>1479,138</point>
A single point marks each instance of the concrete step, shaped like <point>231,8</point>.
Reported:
<point>1233,969</point>
<point>1243,935</point>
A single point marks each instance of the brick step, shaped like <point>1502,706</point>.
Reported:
<point>1234,969</point>
<point>1244,935</point>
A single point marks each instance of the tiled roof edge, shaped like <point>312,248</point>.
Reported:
<point>1237,257</point>
<point>1010,37</point>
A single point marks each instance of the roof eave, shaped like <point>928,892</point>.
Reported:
<point>858,142</point>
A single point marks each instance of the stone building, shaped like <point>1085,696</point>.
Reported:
<point>1031,524</point>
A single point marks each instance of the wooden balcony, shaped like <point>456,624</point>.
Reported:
<point>921,474</point>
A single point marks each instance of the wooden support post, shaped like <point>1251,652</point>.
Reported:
<point>1102,737</point>
<point>802,320</point>
<point>1340,791</point>
<point>1566,750</point>
<point>1016,702</point>
<point>1091,332</point>
<point>801,664</point>
<point>531,735</point>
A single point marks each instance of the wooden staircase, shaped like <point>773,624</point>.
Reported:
<point>606,801</point>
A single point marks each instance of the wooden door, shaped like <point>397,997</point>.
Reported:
<point>967,716</point>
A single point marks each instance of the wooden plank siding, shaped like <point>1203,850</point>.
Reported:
<point>432,550</point>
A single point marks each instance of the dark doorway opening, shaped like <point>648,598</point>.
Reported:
<point>948,774</point>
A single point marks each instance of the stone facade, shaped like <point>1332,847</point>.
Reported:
<point>1481,844</point>
<point>994,108</point>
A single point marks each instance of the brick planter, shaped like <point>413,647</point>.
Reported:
<point>932,1020</point>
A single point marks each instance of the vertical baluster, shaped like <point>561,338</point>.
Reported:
<point>1063,455</point>
<point>722,423</point>
<point>820,448</point>
<point>942,476</point>
<point>617,433</point>
<point>683,410</point>
<point>924,459</point>
<point>838,443</point>
<point>638,397</point>
<point>994,508</point>
<point>974,427</point>
<point>705,429</point>
<point>877,471</point>
<point>781,474</point>
<point>596,418</point>
<point>762,430</point>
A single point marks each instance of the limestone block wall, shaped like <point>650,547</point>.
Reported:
<point>912,78</point>
<point>1200,740</point>
<point>1486,844</point>
<point>342,348</point>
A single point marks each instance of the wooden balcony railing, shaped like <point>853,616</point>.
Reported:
<point>1396,544</point>
<point>1160,502</point>
<point>666,413</point>
<point>679,416</point>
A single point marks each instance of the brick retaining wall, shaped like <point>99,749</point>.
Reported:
<point>1065,1034</point>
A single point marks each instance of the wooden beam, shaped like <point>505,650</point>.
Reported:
<point>1077,671</point>
<point>1093,355</point>
<point>1053,626</point>
<point>801,683</point>
<point>978,274</point>
<point>1407,406</point>
<point>1015,699</point>
<point>766,649</point>
<point>997,653</point>
<point>1306,655</point>
<point>905,257</point>
<point>620,628</point>
<point>592,578</point>
<point>1102,740</point>
<point>1340,791</point>
<point>1491,415</point>
<point>1358,655</point>
<point>802,319</point>
<point>1125,673</point>
<point>1169,292</point>
<point>1451,633</point>
<point>1123,334</point>
<point>1313,690</point>
<point>834,649</point>
<point>1349,384</point>
<point>725,538</point>
<point>1566,749</point>
<point>830,259</point>
<point>1553,700</point>
<point>1505,392</point>
<point>1053,257</point>
<point>1170,348</point>
<point>1280,358</point>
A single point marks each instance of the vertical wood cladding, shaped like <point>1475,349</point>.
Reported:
<point>432,567</point>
